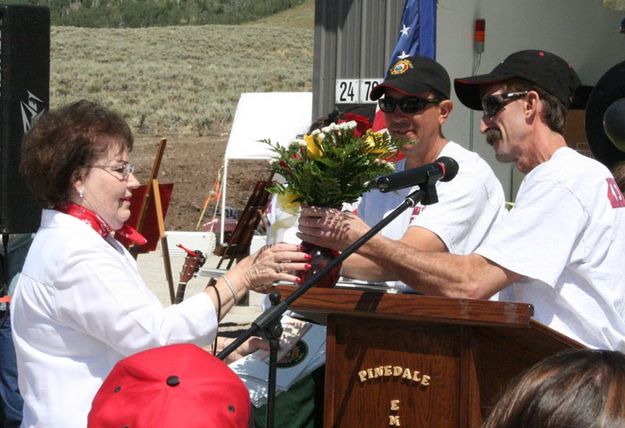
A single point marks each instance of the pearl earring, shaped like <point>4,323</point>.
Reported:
<point>81,192</point>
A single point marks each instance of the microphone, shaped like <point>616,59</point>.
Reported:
<point>444,169</point>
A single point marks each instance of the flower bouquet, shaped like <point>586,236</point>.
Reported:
<point>330,166</point>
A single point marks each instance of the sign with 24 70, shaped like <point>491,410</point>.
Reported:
<point>354,91</point>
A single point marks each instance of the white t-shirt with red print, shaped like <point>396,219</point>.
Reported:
<point>468,206</point>
<point>566,236</point>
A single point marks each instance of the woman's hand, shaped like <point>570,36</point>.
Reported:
<point>272,263</point>
<point>250,345</point>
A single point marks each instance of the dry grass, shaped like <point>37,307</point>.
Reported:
<point>184,83</point>
<point>302,16</point>
<point>182,79</point>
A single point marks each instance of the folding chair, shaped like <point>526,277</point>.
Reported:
<point>238,245</point>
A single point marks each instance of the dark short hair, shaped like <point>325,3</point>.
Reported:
<point>554,111</point>
<point>575,388</point>
<point>64,141</point>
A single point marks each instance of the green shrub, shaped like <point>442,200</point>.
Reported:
<point>152,13</point>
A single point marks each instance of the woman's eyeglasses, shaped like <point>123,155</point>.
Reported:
<point>493,103</point>
<point>125,169</point>
<point>407,105</point>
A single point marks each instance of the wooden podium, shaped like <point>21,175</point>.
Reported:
<point>420,361</point>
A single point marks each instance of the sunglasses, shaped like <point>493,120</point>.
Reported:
<point>406,105</point>
<point>493,103</point>
<point>125,169</point>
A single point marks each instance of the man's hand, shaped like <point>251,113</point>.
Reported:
<point>329,227</point>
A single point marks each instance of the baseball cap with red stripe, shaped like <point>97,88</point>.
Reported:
<point>544,69</point>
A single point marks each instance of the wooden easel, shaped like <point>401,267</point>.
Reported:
<point>153,191</point>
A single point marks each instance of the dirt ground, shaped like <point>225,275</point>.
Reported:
<point>192,164</point>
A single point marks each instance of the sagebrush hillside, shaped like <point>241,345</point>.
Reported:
<point>182,79</point>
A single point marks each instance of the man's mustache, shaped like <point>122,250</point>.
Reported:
<point>492,135</point>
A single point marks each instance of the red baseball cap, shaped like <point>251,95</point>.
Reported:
<point>171,386</point>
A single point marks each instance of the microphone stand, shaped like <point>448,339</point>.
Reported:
<point>268,323</point>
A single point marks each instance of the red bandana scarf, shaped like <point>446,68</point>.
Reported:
<point>98,224</point>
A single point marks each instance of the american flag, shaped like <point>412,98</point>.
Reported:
<point>417,36</point>
<point>417,33</point>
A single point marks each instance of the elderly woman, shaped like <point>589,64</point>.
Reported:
<point>80,305</point>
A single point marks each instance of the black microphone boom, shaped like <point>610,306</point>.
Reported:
<point>444,169</point>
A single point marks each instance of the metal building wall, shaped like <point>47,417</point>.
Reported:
<point>353,40</point>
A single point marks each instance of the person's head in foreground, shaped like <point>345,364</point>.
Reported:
<point>524,99</point>
<point>171,386</point>
<point>619,175</point>
<point>78,154</point>
<point>415,100</point>
<point>578,388</point>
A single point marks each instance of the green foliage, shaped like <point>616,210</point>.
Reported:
<point>151,13</point>
<point>331,166</point>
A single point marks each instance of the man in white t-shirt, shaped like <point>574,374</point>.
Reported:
<point>415,101</point>
<point>561,247</point>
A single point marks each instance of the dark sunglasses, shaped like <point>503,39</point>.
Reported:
<point>407,105</point>
<point>493,103</point>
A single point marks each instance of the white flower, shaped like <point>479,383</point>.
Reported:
<point>383,162</point>
<point>331,128</point>
<point>327,129</point>
<point>348,125</point>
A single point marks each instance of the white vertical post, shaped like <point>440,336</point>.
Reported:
<point>224,186</point>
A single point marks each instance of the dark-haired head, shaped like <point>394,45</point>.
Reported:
<point>65,142</point>
<point>577,388</point>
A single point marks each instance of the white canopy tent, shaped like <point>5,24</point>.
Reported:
<point>277,116</point>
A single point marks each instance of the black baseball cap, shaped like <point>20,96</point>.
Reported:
<point>543,69</point>
<point>414,75</point>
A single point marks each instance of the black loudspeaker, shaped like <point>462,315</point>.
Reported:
<point>603,111</point>
<point>24,95</point>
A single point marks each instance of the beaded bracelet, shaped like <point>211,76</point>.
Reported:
<point>229,284</point>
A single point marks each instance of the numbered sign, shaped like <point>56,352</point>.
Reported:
<point>366,86</point>
<point>347,91</point>
<point>355,91</point>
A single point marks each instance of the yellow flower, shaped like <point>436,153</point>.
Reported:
<point>287,203</point>
<point>372,140</point>
<point>313,149</point>
<point>380,151</point>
